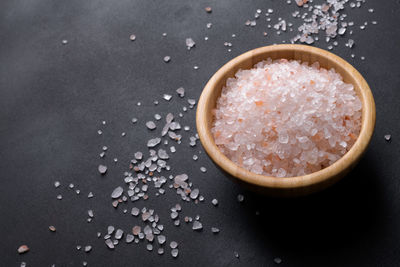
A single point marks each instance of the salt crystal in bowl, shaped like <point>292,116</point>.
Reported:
<point>296,185</point>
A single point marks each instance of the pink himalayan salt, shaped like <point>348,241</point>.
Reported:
<point>285,118</point>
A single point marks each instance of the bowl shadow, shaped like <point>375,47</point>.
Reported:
<point>344,216</point>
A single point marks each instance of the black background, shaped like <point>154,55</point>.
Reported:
<point>54,97</point>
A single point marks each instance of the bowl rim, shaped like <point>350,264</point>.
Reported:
<point>321,176</point>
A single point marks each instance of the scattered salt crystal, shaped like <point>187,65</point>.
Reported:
<point>180,91</point>
<point>214,202</point>
<point>153,142</point>
<point>388,137</point>
<point>23,249</point>
<point>161,239</point>
<point>214,230</point>
<point>102,169</point>
<point>173,244</point>
<point>109,243</point>
<point>117,192</point>
<point>151,125</point>
<point>129,238</point>
<point>167,97</point>
<point>167,59</point>
<point>90,213</point>
<point>174,252</point>
<point>88,249</point>
<point>190,43</point>
<point>197,226</point>
<point>132,37</point>
<point>57,184</point>
<point>203,169</point>
<point>240,198</point>
<point>277,260</point>
<point>118,234</point>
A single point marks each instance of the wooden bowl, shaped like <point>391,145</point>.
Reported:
<point>290,186</point>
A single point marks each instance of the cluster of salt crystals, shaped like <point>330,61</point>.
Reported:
<point>146,172</point>
<point>286,118</point>
<point>327,17</point>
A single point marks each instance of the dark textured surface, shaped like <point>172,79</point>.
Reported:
<point>54,97</point>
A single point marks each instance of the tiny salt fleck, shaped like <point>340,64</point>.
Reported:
<point>167,59</point>
<point>203,169</point>
<point>132,37</point>
<point>240,198</point>
<point>236,254</point>
<point>153,142</point>
<point>90,213</point>
<point>180,91</point>
<point>109,244</point>
<point>173,244</point>
<point>149,247</point>
<point>134,120</point>
<point>195,157</point>
<point>99,132</point>
<point>208,9</point>
<point>59,197</point>
<point>52,228</point>
<point>102,169</point>
<point>160,251</point>
<point>214,202</point>
<point>174,252</point>
<point>151,125</point>
<point>190,43</point>
<point>57,184</point>
<point>196,67</point>
<point>118,234</point>
<point>117,192</point>
<point>90,195</point>
<point>388,137</point>
<point>214,230</point>
<point>64,42</point>
<point>23,249</point>
<point>167,97</point>
<point>88,249</point>
<point>197,226</point>
<point>277,260</point>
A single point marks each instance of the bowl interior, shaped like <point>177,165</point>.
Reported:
<point>306,183</point>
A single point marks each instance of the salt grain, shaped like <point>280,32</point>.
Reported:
<point>102,169</point>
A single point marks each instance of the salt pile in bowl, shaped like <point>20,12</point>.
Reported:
<point>286,118</point>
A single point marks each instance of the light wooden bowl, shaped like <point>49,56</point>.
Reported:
<point>291,186</point>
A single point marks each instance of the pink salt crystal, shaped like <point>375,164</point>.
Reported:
<point>286,118</point>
